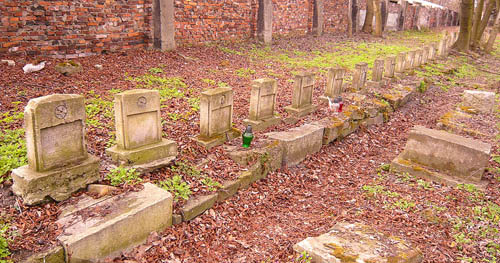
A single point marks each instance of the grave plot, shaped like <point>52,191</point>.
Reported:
<point>201,173</point>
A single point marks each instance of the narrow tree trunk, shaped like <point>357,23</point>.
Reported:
<point>378,18</point>
<point>484,22</point>
<point>477,20</point>
<point>463,42</point>
<point>367,26</point>
<point>496,29</point>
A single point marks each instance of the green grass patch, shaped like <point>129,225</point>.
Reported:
<point>122,175</point>
<point>12,151</point>
<point>177,187</point>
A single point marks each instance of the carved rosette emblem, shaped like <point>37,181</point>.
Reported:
<point>61,111</point>
<point>142,101</point>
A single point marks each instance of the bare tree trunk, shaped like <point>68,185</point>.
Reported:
<point>496,29</point>
<point>378,18</point>
<point>484,22</point>
<point>463,42</point>
<point>367,26</point>
<point>476,22</point>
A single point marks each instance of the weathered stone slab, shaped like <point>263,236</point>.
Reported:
<point>333,127</point>
<point>410,59</point>
<point>195,206</point>
<point>52,255</point>
<point>299,142</point>
<point>390,65</point>
<point>229,188</point>
<point>400,62</point>
<point>265,21</point>
<point>118,223</point>
<point>378,70</point>
<point>356,242</point>
<point>216,117</point>
<point>482,101</point>
<point>456,157</point>
<point>302,95</point>
<point>262,105</point>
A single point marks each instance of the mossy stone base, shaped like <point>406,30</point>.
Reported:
<point>301,112</point>
<point>124,221</point>
<point>217,140</point>
<point>405,166</point>
<point>53,255</point>
<point>228,189</point>
<point>148,156</point>
<point>58,184</point>
<point>263,124</point>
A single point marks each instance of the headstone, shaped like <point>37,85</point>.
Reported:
<point>216,117</point>
<point>482,101</point>
<point>359,78</point>
<point>443,156</point>
<point>378,70</point>
<point>425,55</point>
<point>441,49</point>
<point>139,131</point>
<point>400,62</point>
<point>262,105</point>
<point>334,83</point>
<point>418,58</point>
<point>432,51</point>
<point>265,21</point>
<point>58,162</point>
<point>355,242</point>
<point>390,64</point>
<point>410,59</point>
<point>302,95</point>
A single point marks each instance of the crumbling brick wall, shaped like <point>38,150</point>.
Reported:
<point>335,13</point>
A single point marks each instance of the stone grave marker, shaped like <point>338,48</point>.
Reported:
<point>58,162</point>
<point>302,95</point>
<point>359,78</point>
<point>378,70</point>
<point>400,62</point>
<point>432,51</point>
<point>444,157</point>
<point>216,117</point>
<point>418,58</point>
<point>441,48</point>
<point>334,83</point>
<point>138,131</point>
<point>262,105</point>
<point>390,64</point>
<point>425,56</point>
<point>410,58</point>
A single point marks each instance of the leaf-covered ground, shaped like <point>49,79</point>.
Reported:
<point>346,180</point>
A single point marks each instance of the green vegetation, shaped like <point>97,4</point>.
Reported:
<point>4,238</point>
<point>168,87</point>
<point>177,186</point>
<point>245,72</point>
<point>424,184</point>
<point>210,183</point>
<point>98,109</point>
<point>12,151</point>
<point>182,167</point>
<point>304,257</point>
<point>155,70</point>
<point>374,190</point>
<point>122,175</point>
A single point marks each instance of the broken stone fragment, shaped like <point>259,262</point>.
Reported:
<point>69,68</point>
<point>100,189</point>
<point>9,63</point>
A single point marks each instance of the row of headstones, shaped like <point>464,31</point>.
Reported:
<point>58,162</point>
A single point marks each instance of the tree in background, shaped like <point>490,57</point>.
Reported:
<point>378,18</point>
<point>466,13</point>
<point>367,26</point>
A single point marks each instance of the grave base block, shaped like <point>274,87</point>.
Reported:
<point>301,112</point>
<point>261,125</point>
<point>216,140</point>
<point>37,187</point>
<point>145,158</point>
<point>405,166</point>
<point>118,223</point>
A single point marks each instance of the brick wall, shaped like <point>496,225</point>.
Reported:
<point>335,13</point>
<point>78,27</point>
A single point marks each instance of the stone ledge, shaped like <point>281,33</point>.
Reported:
<point>213,141</point>
<point>52,255</point>
<point>195,206</point>
<point>38,187</point>
<point>301,112</point>
<point>263,124</point>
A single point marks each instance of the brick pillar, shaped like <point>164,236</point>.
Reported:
<point>265,21</point>
<point>163,24</point>
<point>402,15</point>
<point>318,18</point>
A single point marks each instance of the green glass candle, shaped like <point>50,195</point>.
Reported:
<point>247,137</point>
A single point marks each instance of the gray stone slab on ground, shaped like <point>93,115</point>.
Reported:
<point>457,158</point>
<point>482,101</point>
<point>299,142</point>
<point>117,223</point>
<point>356,242</point>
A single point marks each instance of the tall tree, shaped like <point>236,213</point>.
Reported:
<point>466,10</point>
<point>495,31</point>
<point>477,20</point>
<point>476,38</point>
<point>367,26</point>
<point>378,18</point>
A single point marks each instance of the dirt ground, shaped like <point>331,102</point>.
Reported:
<point>345,181</point>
